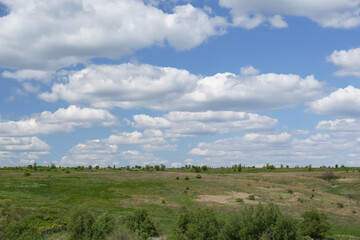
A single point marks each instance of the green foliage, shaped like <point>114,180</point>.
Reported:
<point>261,222</point>
<point>198,176</point>
<point>123,233</point>
<point>47,221</point>
<point>27,173</point>
<point>8,214</point>
<point>315,224</point>
<point>239,200</point>
<point>200,224</point>
<point>187,178</point>
<point>22,231</point>
<point>141,223</point>
<point>251,197</point>
<point>84,226</point>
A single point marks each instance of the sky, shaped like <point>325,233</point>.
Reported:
<point>176,82</point>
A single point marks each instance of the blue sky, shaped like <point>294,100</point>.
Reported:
<point>176,82</point>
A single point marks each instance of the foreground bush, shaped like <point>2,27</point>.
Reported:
<point>315,224</point>
<point>141,223</point>
<point>201,224</point>
<point>261,222</point>
<point>84,226</point>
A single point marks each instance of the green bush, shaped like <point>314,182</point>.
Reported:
<point>198,176</point>
<point>251,197</point>
<point>141,223</point>
<point>27,173</point>
<point>200,224</point>
<point>315,224</point>
<point>22,231</point>
<point>84,226</point>
<point>123,233</point>
<point>260,222</point>
<point>187,178</point>
<point>239,200</point>
<point>8,214</point>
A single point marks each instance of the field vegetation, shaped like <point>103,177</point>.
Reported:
<point>49,202</point>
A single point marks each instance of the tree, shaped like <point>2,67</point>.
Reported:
<point>200,224</point>
<point>141,223</point>
<point>315,224</point>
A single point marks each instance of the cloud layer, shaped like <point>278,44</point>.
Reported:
<point>342,102</point>
<point>50,34</point>
<point>347,60</point>
<point>184,124</point>
<point>282,148</point>
<point>63,120</point>
<point>164,88</point>
<point>327,13</point>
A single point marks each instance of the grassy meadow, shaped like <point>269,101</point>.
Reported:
<point>164,194</point>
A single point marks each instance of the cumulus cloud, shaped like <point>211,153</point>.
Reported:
<point>50,34</point>
<point>23,75</point>
<point>342,125</point>
<point>342,102</point>
<point>347,60</point>
<point>164,88</point>
<point>183,124</point>
<point>108,151</point>
<point>63,120</point>
<point>283,148</point>
<point>327,13</point>
<point>21,150</point>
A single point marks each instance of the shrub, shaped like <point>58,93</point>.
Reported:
<point>187,178</point>
<point>81,225</point>
<point>261,222</point>
<point>84,226</point>
<point>198,176</point>
<point>251,197</point>
<point>123,233</point>
<point>239,200</point>
<point>141,223</point>
<point>7,215</point>
<point>290,191</point>
<point>163,201</point>
<point>22,231</point>
<point>315,224</point>
<point>328,175</point>
<point>340,205</point>
<point>27,173</point>
<point>200,224</point>
<point>177,178</point>
<point>67,170</point>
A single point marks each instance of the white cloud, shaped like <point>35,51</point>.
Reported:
<point>348,62</point>
<point>106,152</point>
<point>164,88</point>
<point>342,102</point>
<point>50,34</point>
<point>24,75</point>
<point>183,124</point>
<point>277,21</point>
<point>148,142</point>
<point>327,13</point>
<point>15,151</point>
<point>343,125</point>
<point>257,149</point>
<point>63,120</point>
<point>249,70</point>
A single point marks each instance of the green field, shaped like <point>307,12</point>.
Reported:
<point>120,192</point>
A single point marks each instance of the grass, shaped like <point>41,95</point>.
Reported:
<point>121,192</point>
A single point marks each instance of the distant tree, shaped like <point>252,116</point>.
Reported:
<point>162,167</point>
